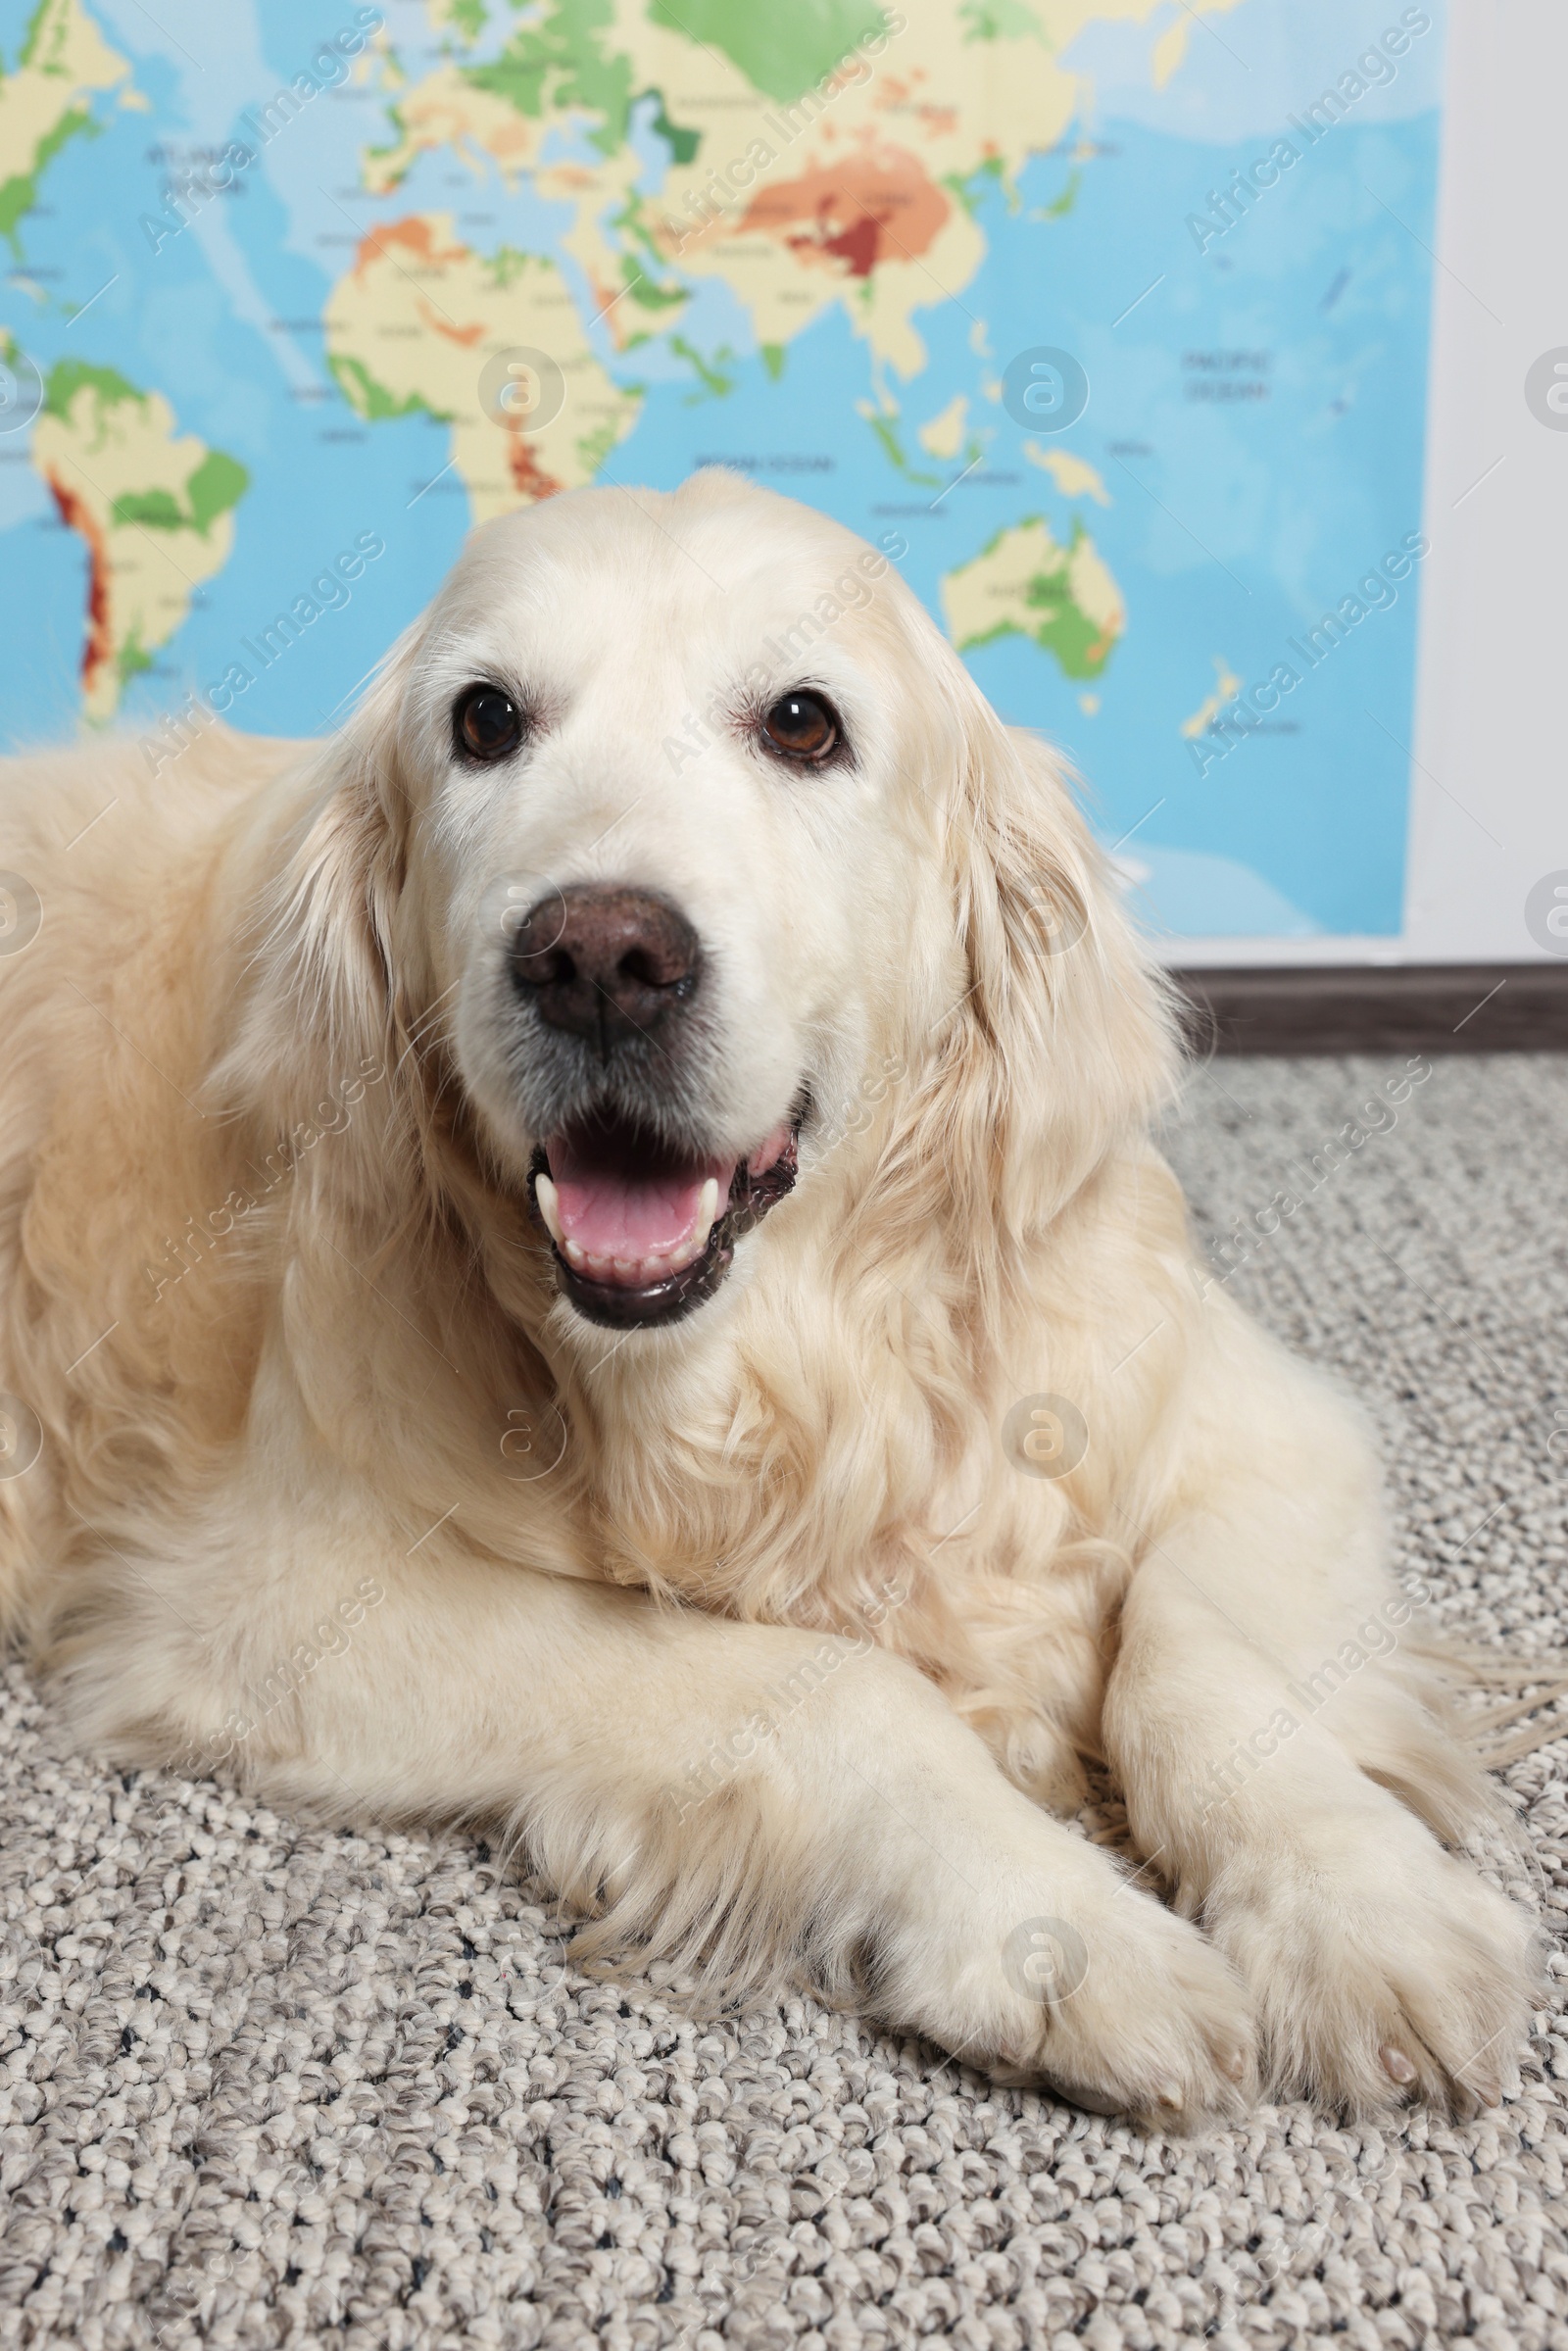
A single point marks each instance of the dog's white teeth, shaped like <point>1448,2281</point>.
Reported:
<point>545,1193</point>
<point>659,1265</point>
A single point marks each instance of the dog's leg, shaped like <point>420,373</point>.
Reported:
<point>1267,1705</point>
<point>764,1792</point>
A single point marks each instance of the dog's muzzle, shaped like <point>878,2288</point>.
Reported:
<point>643,1228</point>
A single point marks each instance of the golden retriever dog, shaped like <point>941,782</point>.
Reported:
<point>587,1254</point>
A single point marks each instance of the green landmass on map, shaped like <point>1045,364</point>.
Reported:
<point>1025,583</point>
<point>781,46</point>
<point>564,52</point>
<point>372,400</point>
<point>66,377</point>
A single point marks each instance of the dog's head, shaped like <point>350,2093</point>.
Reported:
<point>680,825</point>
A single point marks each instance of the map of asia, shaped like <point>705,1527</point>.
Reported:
<point>1106,320</point>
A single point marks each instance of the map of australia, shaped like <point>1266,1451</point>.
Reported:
<point>414,265</point>
<point>1023,583</point>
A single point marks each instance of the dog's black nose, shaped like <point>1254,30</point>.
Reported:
<point>608,963</point>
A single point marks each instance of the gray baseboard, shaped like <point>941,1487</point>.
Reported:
<point>1378,1008</point>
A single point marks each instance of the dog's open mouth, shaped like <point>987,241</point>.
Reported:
<point>642,1233</point>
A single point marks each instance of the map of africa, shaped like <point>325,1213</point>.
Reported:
<point>1106,319</point>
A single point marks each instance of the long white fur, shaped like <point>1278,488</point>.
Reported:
<point>749,1629</point>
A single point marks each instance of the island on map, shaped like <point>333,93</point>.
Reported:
<point>1073,476</point>
<point>1025,583</point>
<point>154,506</point>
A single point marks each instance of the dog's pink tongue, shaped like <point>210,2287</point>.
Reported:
<point>615,1212</point>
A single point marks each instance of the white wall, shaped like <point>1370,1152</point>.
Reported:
<point>1489,808</point>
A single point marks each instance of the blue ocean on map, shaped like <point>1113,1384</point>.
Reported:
<point>1254,432</point>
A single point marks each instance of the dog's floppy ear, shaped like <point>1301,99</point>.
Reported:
<point>1064,1043</point>
<point>323,999</point>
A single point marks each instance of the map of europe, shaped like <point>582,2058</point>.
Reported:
<point>1106,320</point>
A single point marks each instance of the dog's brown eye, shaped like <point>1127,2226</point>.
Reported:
<point>489,724</point>
<point>803,725</point>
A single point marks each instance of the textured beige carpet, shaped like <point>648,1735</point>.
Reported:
<point>270,2085</point>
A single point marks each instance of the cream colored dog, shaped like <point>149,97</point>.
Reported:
<point>586,1254</point>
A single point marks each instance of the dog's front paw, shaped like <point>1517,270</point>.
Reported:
<point>1098,1992</point>
<point>1384,1971</point>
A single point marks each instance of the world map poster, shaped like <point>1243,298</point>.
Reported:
<point>1106,319</point>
